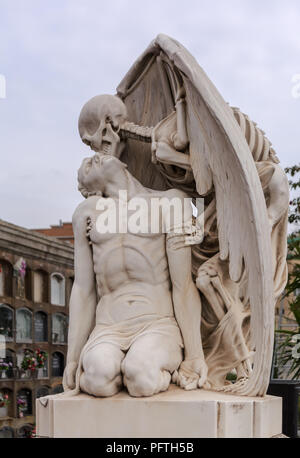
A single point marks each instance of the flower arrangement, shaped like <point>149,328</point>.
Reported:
<point>41,357</point>
<point>4,401</point>
<point>22,406</point>
<point>32,433</point>
<point>4,366</point>
<point>34,362</point>
<point>20,268</point>
<point>29,362</point>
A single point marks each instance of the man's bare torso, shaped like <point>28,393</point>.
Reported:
<point>131,272</point>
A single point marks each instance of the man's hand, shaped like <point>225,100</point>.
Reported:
<point>69,376</point>
<point>191,374</point>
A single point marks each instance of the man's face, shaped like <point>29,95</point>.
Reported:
<point>95,171</point>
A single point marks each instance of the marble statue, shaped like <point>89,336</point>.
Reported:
<point>136,340</point>
<point>148,309</point>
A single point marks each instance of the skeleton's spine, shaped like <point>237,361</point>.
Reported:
<point>141,133</point>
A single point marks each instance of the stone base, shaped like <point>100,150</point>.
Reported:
<point>172,414</point>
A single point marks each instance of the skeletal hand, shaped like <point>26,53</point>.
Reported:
<point>191,374</point>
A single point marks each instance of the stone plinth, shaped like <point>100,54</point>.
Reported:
<point>175,413</point>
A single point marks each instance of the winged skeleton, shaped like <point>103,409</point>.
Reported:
<point>179,133</point>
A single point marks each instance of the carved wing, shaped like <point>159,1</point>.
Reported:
<point>220,157</point>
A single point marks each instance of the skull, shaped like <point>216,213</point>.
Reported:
<point>99,123</point>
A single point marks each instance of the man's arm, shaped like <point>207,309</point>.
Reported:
<point>83,296</point>
<point>187,309</point>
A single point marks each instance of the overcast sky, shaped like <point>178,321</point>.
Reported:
<point>55,55</point>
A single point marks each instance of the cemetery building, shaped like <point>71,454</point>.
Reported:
<point>36,277</point>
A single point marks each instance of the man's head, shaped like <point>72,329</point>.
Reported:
<point>99,123</point>
<point>96,172</point>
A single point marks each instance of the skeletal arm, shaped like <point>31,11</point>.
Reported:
<point>180,138</point>
<point>187,309</point>
<point>172,152</point>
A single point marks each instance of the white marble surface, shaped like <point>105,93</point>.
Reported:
<point>169,120</point>
<point>174,413</point>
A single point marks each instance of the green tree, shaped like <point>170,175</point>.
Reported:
<point>289,351</point>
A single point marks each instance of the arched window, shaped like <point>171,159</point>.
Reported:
<point>6,322</point>
<point>22,363</point>
<point>7,364</point>
<point>57,389</point>
<point>6,406</point>
<point>42,372</point>
<point>41,327</point>
<point>42,391</point>
<point>59,328</point>
<point>20,272</point>
<point>57,365</point>
<point>24,325</point>
<point>6,433</point>
<point>40,286</point>
<point>57,289</point>
<point>6,276</point>
<point>24,402</point>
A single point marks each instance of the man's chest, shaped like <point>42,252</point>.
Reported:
<point>114,222</point>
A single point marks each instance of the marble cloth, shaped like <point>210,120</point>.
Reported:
<point>124,333</point>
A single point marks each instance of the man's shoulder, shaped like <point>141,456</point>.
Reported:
<point>173,192</point>
<point>169,193</point>
<point>83,210</point>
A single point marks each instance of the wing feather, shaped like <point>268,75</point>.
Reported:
<point>221,158</point>
<point>243,226</point>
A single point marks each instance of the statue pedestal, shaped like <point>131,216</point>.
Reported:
<point>174,413</point>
